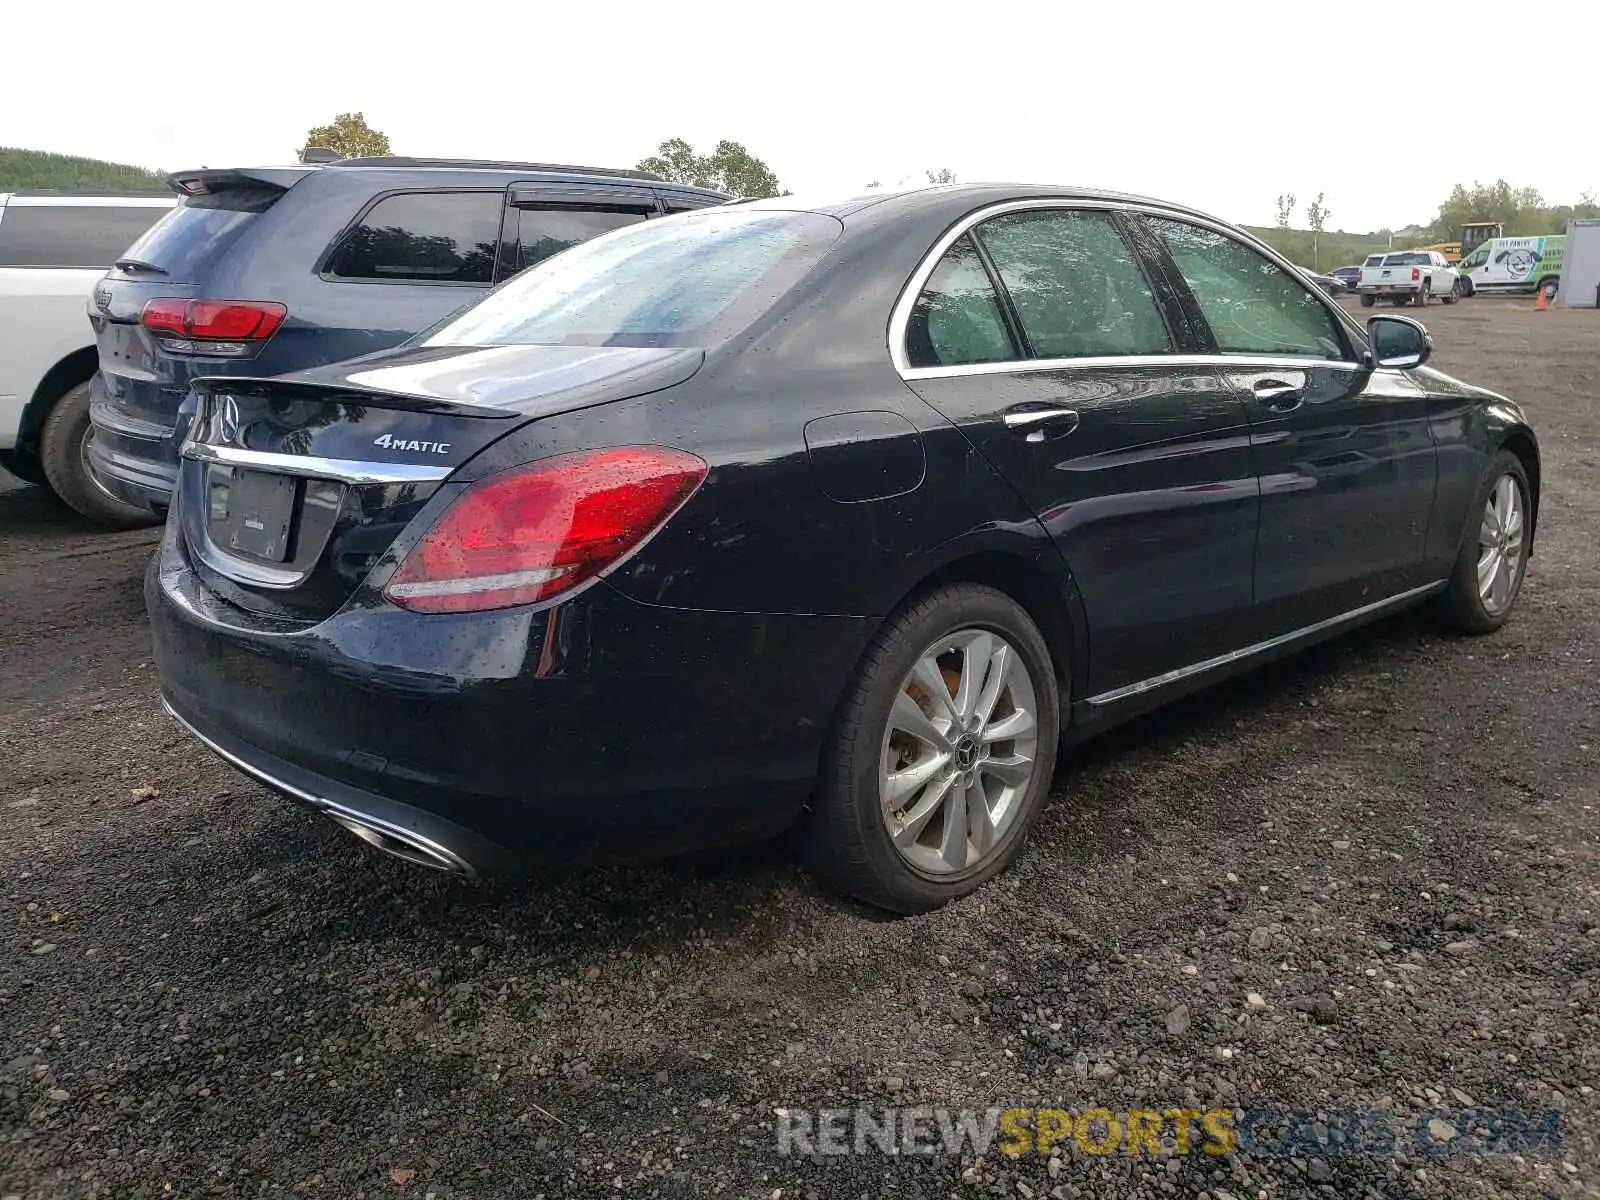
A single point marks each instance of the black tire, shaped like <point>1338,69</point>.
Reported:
<point>1423,293</point>
<point>1461,607</point>
<point>1452,295</point>
<point>62,444</point>
<point>1550,287</point>
<point>1367,301</point>
<point>843,839</point>
<point>1467,287</point>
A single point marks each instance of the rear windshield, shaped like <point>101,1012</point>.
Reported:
<point>191,238</point>
<point>674,281</point>
<point>1406,260</point>
<point>79,235</point>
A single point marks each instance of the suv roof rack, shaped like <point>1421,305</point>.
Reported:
<point>491,164</point>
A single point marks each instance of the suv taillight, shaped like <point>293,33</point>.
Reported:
<point>224,328</point>
<point>537,531</point>
<point>1416,274</point>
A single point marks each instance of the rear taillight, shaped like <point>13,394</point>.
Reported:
<point>540,530</point>
<point>227,328</point>
<point>1416,274</point>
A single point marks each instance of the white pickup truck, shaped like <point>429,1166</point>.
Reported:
<point>54,247</point>
<point>1407,277</point>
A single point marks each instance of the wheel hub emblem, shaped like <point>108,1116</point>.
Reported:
<point>966,751</point>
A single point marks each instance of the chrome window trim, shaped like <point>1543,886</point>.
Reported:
<point>344,470</point>
<point>1273,643</point>
<point>900,315</point>
<point>1024,365</point>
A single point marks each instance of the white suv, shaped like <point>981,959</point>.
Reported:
<point>53,250</point>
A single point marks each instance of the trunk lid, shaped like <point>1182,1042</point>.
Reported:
<point>292,488</point>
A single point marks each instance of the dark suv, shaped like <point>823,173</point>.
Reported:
<point>272,269</point>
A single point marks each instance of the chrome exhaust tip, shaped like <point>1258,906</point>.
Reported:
<point>400,843</point>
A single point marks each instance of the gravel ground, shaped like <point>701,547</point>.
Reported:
<point>1366,878</point>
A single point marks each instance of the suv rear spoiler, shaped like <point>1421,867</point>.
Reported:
<point>208,182</point>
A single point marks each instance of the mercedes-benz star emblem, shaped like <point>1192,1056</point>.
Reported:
<point>228,419</point>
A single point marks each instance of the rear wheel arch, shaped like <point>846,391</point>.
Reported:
<point>73,370</point>
<point>1051,601</point>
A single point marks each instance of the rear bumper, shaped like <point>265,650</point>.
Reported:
<point>601,729</point>
<point>134,459</point>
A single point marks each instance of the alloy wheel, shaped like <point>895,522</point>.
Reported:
<point>959,752</point>
<point>1500,545</point>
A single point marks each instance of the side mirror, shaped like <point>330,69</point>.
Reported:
<point>1398,342</point>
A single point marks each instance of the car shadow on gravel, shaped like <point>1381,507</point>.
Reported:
<point>290,876</point>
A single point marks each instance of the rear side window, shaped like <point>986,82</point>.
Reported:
<point>427,237</point>
<point>690,281</point>
<point>71,235</point>
<point>956,320</point>
<point>191,239</point>
<point>543,230</point>
<point>1076,286</point>
<point>1407,260</point>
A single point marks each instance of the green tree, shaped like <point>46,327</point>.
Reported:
<point>64,172</point>
<point>1317,218</point>
<point>729,168</point>
<point>350,135</point>
<point>1285,209</point>
<point>1520,210</point>
<point>942,175</point>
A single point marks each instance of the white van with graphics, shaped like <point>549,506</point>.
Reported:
<point>1515,264</point>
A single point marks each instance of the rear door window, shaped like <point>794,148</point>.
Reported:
<point>83,236</point>
<point>543,230</point>
<point>1076,286</point>
<point>422,237</point>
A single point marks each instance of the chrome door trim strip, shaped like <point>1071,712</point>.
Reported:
<point>900,316</point>
<point>345,470</point>
<point>1022,366</point>
<point>1233,656</point>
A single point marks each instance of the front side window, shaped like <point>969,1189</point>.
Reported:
<point>1076,286</point>
<point>544,230</point>
<point>956,320</point>
<point>424,237</point>
<point>688,281</point>
<point>1252,305</point>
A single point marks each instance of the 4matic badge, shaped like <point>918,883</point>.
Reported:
<point>389,442</point>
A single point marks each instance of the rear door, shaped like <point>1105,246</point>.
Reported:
<point>1039,334</point>
<point>1344,453</point>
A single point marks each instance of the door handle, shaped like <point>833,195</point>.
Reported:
<point>1038,422</point>
<point>1277,395</point>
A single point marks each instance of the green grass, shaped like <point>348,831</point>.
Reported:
<point>21,169</point>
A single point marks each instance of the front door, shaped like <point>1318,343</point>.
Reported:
<point>1344,453</point>
<point>1040,336</point>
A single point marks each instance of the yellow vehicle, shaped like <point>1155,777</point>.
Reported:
<point>1476,233</point>
<point>1450,250</point>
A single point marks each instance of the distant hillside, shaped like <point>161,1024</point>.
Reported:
<point>1335,248</point>
<point>36,169</point>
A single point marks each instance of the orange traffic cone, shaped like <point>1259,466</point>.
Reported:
<point>1541,304</point>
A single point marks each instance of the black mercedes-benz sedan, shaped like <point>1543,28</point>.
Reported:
<point>848,514</point>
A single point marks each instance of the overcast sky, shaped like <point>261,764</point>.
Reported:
<point>1220,105</point>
